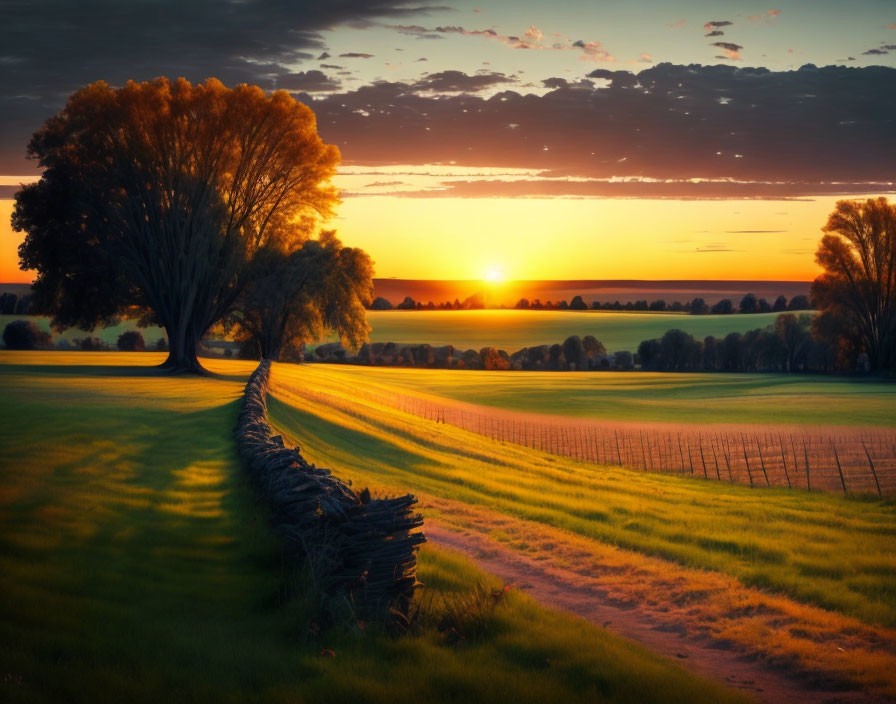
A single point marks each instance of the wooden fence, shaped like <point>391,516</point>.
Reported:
<point>817,459</point>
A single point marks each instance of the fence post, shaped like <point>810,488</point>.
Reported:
<point>839,468</point>
<point>871,464</point>
<point>618,455</point>
<point>743,446</point>
<point>702,458</point>
<point>806,459</point>
<point>762,462</point>
<point>784,460</point>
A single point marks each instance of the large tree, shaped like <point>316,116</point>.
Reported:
<point>296,297</point>
<point>156,196</point>
<point>857,291</point>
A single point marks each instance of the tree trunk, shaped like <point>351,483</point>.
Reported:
<point>182,358</point>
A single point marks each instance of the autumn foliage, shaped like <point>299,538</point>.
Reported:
<point>157,196</point>
<point>857,293</point>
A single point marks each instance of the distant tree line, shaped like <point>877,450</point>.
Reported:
<point>792,344</point>
<point>697,306</point>
<point>11,304</point>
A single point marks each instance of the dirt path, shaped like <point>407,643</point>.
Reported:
<point>578,594</point>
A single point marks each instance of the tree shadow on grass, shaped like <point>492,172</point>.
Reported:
<point>112,370</point>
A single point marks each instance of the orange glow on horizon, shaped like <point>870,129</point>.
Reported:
<point>499,239</point>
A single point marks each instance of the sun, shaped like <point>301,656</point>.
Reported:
<point>494,274</point>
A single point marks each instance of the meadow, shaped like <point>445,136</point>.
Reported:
<point>753,399</point>
<point>512,330</point>
<point>800,579</point>
<point>136,565</point>
<point>509,330</point>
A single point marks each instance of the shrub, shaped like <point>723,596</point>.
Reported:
<point>380,303</point>
<point>799,303</point>
<point>92,344</point>
<point>698,307</point>
<point>25,335</point>
<point>623,360</point>
<point>723,307</point>
<point>131,341</point>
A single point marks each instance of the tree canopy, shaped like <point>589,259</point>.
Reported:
<point>298,297</point>
<point>156,197</point>
<point>856,294</point>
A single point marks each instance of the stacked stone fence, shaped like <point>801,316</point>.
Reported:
<point>362,548</point>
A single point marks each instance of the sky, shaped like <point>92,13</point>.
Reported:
<point>528,140</point>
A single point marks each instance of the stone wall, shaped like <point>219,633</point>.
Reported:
<point>362,548</point>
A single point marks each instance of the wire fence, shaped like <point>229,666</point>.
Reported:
<point>836,459</point>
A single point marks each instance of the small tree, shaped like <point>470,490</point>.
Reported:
<point>794,338</point>
<point>723,307</point>
<point>578,304</point>
<point>25,335</point>
<point>299,297</point>
<point>131,341</point>
<point>380,303</point>
<point>780,304</point>
<point>858,254</point>
<point>748,304</point>
<point>698,307</point>
<point>799,303</point>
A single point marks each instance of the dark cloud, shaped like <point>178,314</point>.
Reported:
<point>888,47</point>
<point>324,55</point>
<point>715,24</point>
<point>678,190</point>
<point>715,33</point>
<point>52,47</point>
<point>555,83</point>
<point>812,125</point>
<point>459,82</point>
<point>730,49</point>
<point>730,46</point>
<point>313,81</point>
<point>355,55</point>
<point>332,66</point>
<point>875,52</point>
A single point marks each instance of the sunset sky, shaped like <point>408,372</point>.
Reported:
<point>530,140</point>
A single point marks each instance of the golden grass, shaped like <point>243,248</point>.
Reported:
<point>787,576</point>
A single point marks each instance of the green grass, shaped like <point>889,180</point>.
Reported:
<point>772,399</point>
<point>837,553</point>
<point>511,330</point>
<point>136,566</point>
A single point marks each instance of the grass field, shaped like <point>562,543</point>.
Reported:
<point>771,399</point>
<point>787,558</point>
<point>511,330</point>
<point>506,329</point>
<point>135,565</point>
